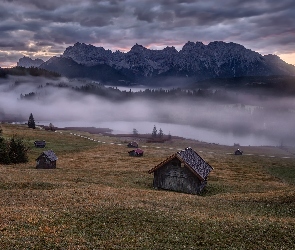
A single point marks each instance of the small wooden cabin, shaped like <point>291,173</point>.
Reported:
<point>238,152</point>
<point>132,144</point>
<point>40,144</point>
<point>184,171</point>
<point>47,160</point>
<point>136,152</point>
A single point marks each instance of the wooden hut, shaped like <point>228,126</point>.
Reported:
<point>136,152</point>
<point>40,144</point>
<point>46,160</point>
<point>238,152</point>
<point>184,171</point>
<point>132,144</point>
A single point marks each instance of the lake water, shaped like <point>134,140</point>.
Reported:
<point>186,131</point>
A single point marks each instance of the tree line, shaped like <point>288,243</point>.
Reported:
<point>114,94</point>
<point>32,71</point>
<point>155,132</point>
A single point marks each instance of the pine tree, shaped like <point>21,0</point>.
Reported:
<point>51,127</point>
<point>17,150</point>
<point>161,133</point>
<point>169,136</point>
<point>31,122</point>
<point>135,132</point>
<point>13,150</point>
<point>154,133</point>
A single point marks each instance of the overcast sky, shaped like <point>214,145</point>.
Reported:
<point>44,28</point>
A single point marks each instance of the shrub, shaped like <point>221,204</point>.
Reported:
<point>13,150</point>
<point>4,151</point>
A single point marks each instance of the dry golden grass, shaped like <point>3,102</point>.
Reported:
<point>101,198</point>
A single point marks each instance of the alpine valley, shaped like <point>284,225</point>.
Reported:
<point>195,62</point>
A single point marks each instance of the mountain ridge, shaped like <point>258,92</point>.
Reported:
<point>194,62</point>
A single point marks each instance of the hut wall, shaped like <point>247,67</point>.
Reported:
<point>44,163</point>
<point>40,144</point>
<point>132,153</point>
<point>177,178</point>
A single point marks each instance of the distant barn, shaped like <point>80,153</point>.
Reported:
<point>132,144</point>
<point>46,160</point>
<point>40,144</point>
<point>136,152</point>
<point>184,171</point>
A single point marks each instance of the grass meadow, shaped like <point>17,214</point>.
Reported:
<point>99,197</point>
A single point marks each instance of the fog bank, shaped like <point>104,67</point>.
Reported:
<point>264,120</point>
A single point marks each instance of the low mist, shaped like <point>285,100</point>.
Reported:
<point>252,120</point>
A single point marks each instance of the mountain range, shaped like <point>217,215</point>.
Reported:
<point>194,62</point>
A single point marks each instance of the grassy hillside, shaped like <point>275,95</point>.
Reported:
<point>100,198</point>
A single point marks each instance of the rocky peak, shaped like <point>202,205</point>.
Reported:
<point>171,50</point>
<point>87,54</point>
<point>28,62</point>
<point>272,57</point>
<point>138,48</point>
<point>83,48</point>
<point>188,47</point>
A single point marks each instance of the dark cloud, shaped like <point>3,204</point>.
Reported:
<point>266,26</point>
<point>43,5</point>
<point>9,59</point>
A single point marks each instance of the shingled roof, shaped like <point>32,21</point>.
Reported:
<point>50,155</point>
<point>191,160</point>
